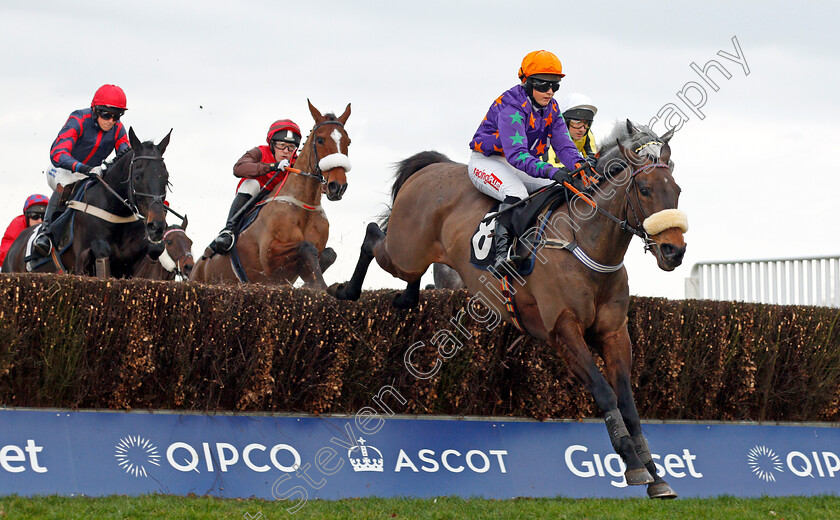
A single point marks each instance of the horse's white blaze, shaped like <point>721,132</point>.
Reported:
<point>336,135</point>
<point>666,219</point>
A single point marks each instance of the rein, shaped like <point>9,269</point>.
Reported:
<point>130,202</point>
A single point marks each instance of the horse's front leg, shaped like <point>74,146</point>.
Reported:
<point>310,267</point>
<point>616,350</point>
<point>567,338</point>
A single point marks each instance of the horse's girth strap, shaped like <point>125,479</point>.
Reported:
<point>291,200</point>
<point>100,213</point>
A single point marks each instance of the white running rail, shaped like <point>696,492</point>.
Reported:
<point>784,281</point>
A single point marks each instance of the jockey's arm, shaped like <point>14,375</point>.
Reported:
<point>250,165</point>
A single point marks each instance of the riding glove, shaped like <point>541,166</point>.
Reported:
<point>280,166</point>
<point>83,168</point>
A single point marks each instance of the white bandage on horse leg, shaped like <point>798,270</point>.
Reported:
<point>666,219</point>
<point>335,160</point>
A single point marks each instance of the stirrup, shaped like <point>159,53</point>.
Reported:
<point>38,246</point>
<point>224,242</point>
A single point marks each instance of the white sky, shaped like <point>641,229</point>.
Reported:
<point>757,173</point>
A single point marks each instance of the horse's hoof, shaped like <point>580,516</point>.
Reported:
<point>661,490</point>
<point>638,477</point>
<point>402,302</point>
<point>336,290</point>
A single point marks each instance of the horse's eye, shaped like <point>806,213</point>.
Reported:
<point>319,140</point>
<point>168,242</point>
<point>645,192</point>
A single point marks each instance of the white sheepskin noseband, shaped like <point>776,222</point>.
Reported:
<point>334,160</point>
<point>666,219</point>
<point>166,261</point>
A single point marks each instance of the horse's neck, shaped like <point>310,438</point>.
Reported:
<point>600,237</point>
<point>98,195</point>
<point>305,189</point>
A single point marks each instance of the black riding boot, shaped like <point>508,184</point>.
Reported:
<point>42,245</point>
<point>506,257</point>
<point>224,241</point>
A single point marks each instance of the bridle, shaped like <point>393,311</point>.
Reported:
<point>177,261</point>
<point>319,174</point>
<point>131,202</point>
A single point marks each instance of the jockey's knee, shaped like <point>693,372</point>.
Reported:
<point>250,187</point>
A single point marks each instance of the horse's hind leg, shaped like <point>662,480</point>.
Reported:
<point>352,289</point>
<point>615,349</point>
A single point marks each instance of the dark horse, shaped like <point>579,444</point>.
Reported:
<point>117,218</point>
<point>568,303</point>
<point>174,261</point>
<point>288,237</point>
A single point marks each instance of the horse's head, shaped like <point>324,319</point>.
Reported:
<point>177,254</point>
<point>147,183</point>
<point>653,195</point>
<point>326,148</point>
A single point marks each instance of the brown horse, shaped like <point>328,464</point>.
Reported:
<point>288,238</point>
<point>175,261</point>
<point>575,298</point>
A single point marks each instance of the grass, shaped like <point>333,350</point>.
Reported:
<point>171,507</point>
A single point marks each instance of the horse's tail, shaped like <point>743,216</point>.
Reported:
<point>405,169</point>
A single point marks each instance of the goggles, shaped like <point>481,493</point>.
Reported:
<point>541,85</point>
<point>286,147</point>
<point>577,124</point>
<point>107,115</point>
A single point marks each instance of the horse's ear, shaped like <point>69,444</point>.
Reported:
<point>184,223</point>
<point>161,146</point>
<point>631,128</point>
<point>630,155</point>
<point>667,136</point>
<point>343,117</point>
<point>665,152</point>
<point>132,139</point>
<point>316,114</point>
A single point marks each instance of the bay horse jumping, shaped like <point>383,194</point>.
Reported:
<point>288,238</point>
<point>117,218</point>
<point>568,303</point>
<point>171,259</point>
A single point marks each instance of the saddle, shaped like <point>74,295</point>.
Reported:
<point>61,227</point>
<point>531,215</point>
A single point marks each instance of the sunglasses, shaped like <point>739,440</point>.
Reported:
<point>285,147</point>
<point>35,216</point>
<point>107,116</point>
<point>541,85</point>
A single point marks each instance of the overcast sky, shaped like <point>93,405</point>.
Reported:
<point>757,173</point>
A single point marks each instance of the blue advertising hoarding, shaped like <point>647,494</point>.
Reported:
<point>298,458</point>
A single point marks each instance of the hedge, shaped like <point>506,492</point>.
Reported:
<point>83,343</point>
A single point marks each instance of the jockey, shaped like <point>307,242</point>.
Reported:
<point>33,213</point>
<point>256,168</point>
<point>578,113</point>
<point>516,131</point>
<point>84,142</point>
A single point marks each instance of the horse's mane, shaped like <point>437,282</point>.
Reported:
<point>608,146</point>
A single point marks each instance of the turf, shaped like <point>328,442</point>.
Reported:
<point>170,507</point>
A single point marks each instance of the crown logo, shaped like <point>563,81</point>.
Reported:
<point>365,458</point>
